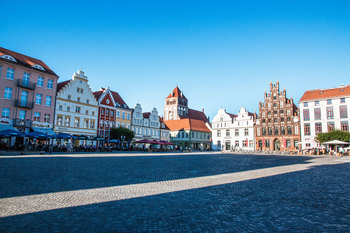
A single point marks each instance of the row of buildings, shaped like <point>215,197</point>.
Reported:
<point>32,99</point>
<point>280,124</point>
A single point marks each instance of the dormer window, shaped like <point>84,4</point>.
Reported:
<point>39,67</point>
<point>8,57</point>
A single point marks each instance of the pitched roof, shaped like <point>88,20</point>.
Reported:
<point>197,115</point>
<point>118,99</point>
<point>146,114</point>
<point>98,94</point>
<point>326,93</point>
<point>187,124</point>
<point>62,84</point>
<point>161,120</point>
<point>176,93</point>
<point>232,115</point>
<point>26,60</point>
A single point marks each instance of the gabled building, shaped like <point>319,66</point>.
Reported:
<point>277,127</point>
<point>27,93</point>
<point>145,125</point>
<point>106,112</point>
<point>164,130</point>
<point>188,127</point>
<point>76,107</point>
<point>233,132</point>
<point>123,112</point>
<point>323,110</point>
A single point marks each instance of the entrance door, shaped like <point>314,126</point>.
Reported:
<point>228,145</point>
<point>277,145</point>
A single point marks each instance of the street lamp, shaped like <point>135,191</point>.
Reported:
<point>123,138</point>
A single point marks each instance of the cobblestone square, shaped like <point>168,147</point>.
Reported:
<point>197,192</point>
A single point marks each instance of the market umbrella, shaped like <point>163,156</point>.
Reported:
<point>114,140</point>
<point>64,135</point>
<point>10,132</point>
<point>36,134</point>
<point>336,142</point>
<point>143,141</point>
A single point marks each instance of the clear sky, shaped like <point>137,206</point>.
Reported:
<point>220,53</point>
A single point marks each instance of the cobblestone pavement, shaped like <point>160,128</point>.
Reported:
<point>174,193</point>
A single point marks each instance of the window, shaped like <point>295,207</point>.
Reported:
<point>37,116</point>
<point>218,133</point>
<point>329,101</point>
<point>342,100</point>
<point>26,78</point>
<point>5,113</point>
<point>128,116</point>
<point>276,130</point>
<point>263,131</point>
<point>123,115</point>
<point>112,113</point>
<point>93,113</point>
<point>118,114</point>
<point>307,129</point>
<point>22,114</point>
<point>344,126</point>
<point>236,132</point>
<point>47,118</point>
<point>246,132</point>
<point>288,112</point>
<point>305,104</point>
<point>67,121</point>
<point>306,114</point>
<point>40,81</point>
<point>102,111</point>
<point>60,107</point>
<point>343,111</point>
<point>318,127</point>
<point>270,131</point>
<point>236,143</point>
<point>38,98</point>
<point>260,143</point>
<point>24,97</point>
<point>92,124</point>
<point>107,112</point>
<point>10,73</point>
<point>330,126</point>
<point>288,143</point>
<point>275,120</point>
<point>69,97</point>
<point>330,114</point>
<point>8,93</point>
<point>87,112</point>
<point>283,130</point>
<point>275,105</point>
<point>76,122</point>
<point>77,109</point>
<point>227,133</point>
<point>282,111</point>
<point>86,123</point>
<point>317,112</point>
<point>267,143</point>
<point>68,109</point>
<point>48,100</point>
<point>87,101</point>
<point>59,120</point>
<point>317,103</point>
<point>50,83</point>
<point>282,119</point>
<point>289,130</point>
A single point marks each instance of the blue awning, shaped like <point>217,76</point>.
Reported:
<point>43,130</point>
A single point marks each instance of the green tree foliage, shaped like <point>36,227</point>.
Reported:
<point>117,133</point>
<point>333,135</point>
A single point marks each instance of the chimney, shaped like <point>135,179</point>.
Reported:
<point>202,110</point>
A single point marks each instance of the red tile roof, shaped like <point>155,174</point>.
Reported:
<point>62,84</point>
<point>197,115</point>
<point>176,93</point>
<point>162,121</point>
<point>146,114</point>
<point>187,124</point>
<point>232,115</point>
<point>118,99</point>
<point>98,94</point>
<point>326,93</point>
<point>26,60</point>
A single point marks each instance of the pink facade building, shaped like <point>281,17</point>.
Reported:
<point>27,93</point>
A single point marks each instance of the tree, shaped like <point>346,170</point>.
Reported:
<point>333,135</point>
<point>117,133</point>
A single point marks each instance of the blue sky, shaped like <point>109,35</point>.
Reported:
<point>220,53</point>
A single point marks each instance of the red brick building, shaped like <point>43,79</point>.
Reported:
<point>106,112</point>
<point>277,128</point>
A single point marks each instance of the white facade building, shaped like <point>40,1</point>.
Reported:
<point>76,107</point>
<point>323,111</point>
<point>145,125</point>
<point>232,132</point>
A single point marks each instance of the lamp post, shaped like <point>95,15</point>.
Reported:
<point>123,138</point>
